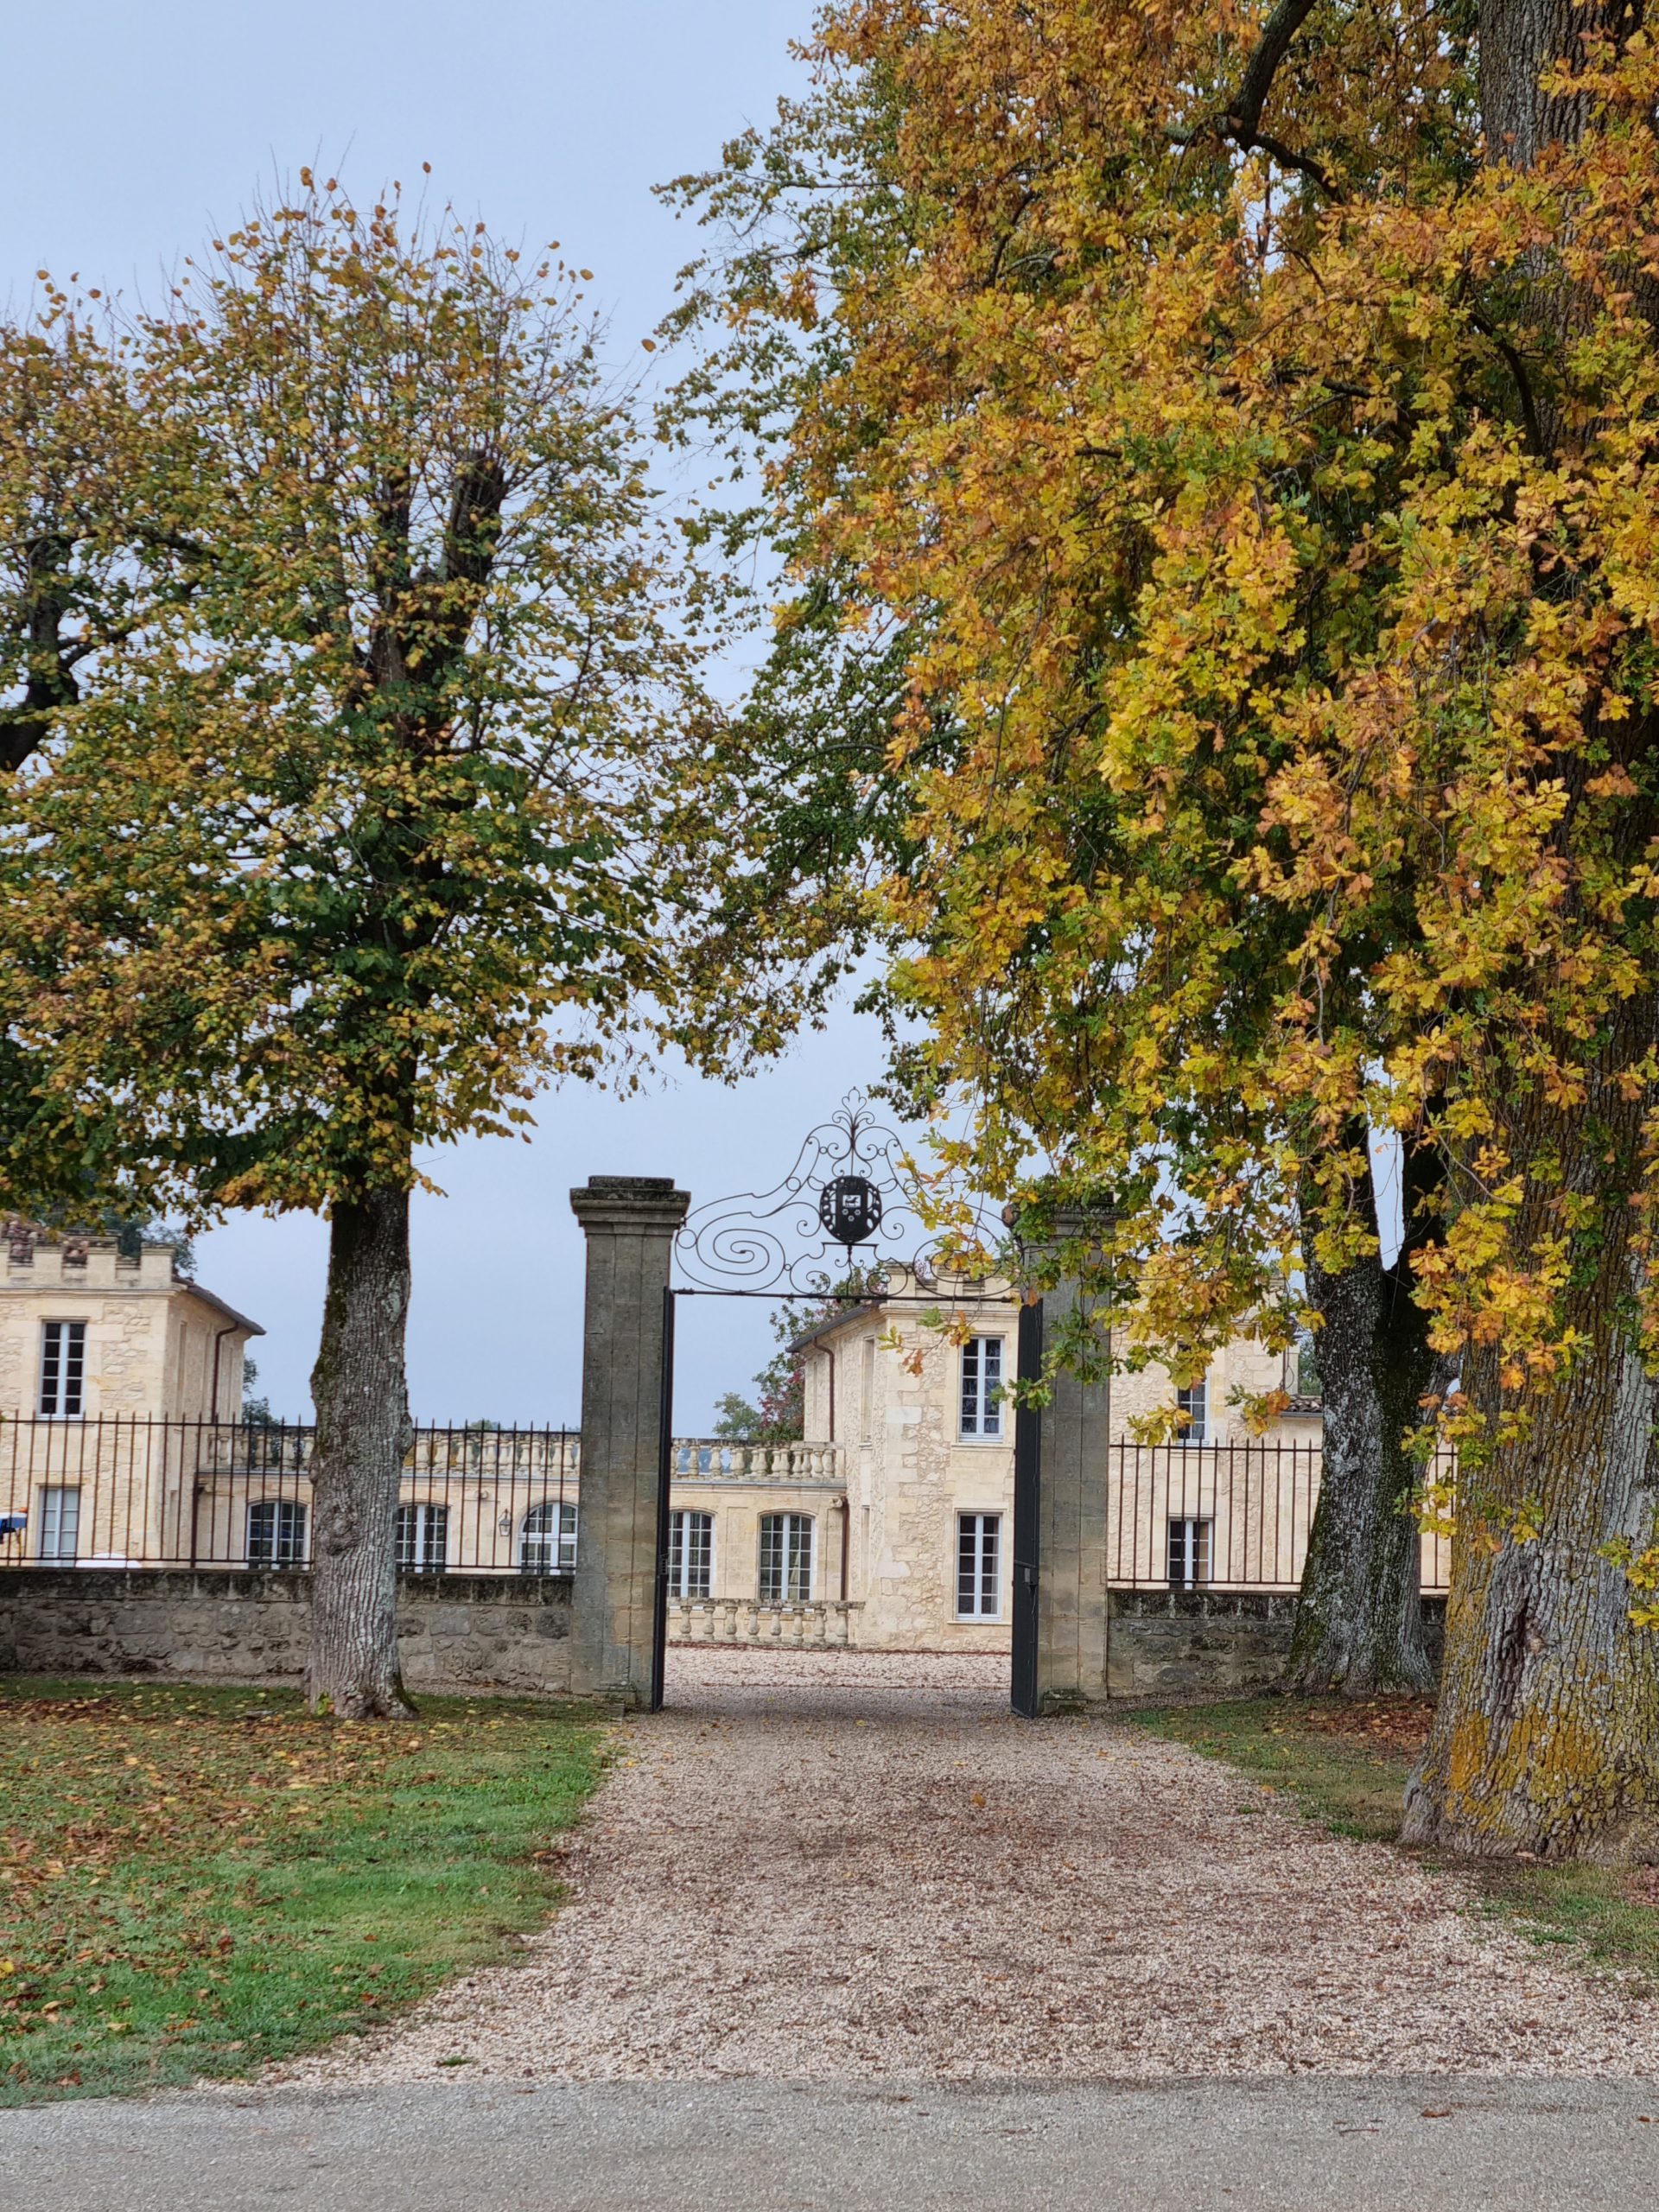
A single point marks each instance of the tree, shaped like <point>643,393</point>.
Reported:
<point>408,802</point>
<point>71,471</point>
<point>734,1417</point>
<point>839,202</point>
<point>255,1411</point>
<point>1256,435</point>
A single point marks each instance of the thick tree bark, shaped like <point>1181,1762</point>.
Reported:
<point>1359,1618</point>
<point>363,1429</point>
<point>1518,39</point>
<point>1546,1736</point>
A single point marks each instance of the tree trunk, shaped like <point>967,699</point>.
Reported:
<point>1359,1617</point>
<point>1547,1739</point>
<point>363,1429</point>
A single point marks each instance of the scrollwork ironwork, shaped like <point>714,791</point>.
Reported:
<point>850,1173</point>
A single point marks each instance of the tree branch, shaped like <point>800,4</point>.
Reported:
<point>1288,157</point>
<point>1517,369</point>
<point>1243,119</point>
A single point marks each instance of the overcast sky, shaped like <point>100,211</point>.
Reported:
<point>133,126</point>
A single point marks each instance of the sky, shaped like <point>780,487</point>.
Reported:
<point>551,118</point>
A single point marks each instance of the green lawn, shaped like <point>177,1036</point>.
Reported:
<point>1346,1765</point>
<point>193,1880</point>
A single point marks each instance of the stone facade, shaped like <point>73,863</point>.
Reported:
<point>156,1345</point>
<point>884,1386</point>
<point>455,1631</point>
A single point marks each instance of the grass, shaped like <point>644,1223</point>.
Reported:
<point>1346,1765</point>
<point>195,1880</point>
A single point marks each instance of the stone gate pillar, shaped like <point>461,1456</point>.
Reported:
<point>1075,1469</point>
<point>629,1221</point>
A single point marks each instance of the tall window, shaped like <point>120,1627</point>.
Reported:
<point>1189,1554</point>
<point>63,1368</point>
<point>982,1387</point>
<point>866,1386</point>
<point>979,1582</point>
<point>691,1554</point>
<point>547,1542</point>
<point>422,1538</point>
<point>1195,1404</point>
<point>60,1522</point>
<point>276,1532</point>
<point>785,1559</point>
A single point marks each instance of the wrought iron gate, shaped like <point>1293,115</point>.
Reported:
<point>846,1188</point>
<point>1027,1492</point>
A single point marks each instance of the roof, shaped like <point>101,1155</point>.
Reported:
<point>831,1322</point>
<point>209,1297</point>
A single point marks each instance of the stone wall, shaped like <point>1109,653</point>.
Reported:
<point>1203,1643</point>
<point>460,1631</point>
<point>466,1631</point>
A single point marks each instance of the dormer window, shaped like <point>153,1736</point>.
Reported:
<point>63,1370</point>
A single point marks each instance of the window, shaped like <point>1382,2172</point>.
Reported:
<point>691,1554</point>
<point>422,1538</point>
<point>979,1544</point>
<point>982,1387</point>
<point>547,1542</point>
<point>1195,1404</point>
<point>1189,1554</point>
<point>276,1532</point>
<point>60,1522</point>
<point>63,1368</point>
<point>785,1559</point>
<point>866,1386</point>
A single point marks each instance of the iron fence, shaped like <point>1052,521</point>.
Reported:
<point>1223,1516</point>
<point>124,1490</point>
<point>137,1491</point>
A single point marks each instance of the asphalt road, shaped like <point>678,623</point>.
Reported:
<point>1300,2145</point>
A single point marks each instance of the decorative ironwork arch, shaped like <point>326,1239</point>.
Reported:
<point>849,1192</point>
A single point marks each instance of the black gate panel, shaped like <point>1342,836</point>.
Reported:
<point>664,1473</point>
<point>1027,1481</point>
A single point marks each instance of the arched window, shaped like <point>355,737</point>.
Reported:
<point>547,1542</point>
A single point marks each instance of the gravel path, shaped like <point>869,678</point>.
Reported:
<point>851,1865</point>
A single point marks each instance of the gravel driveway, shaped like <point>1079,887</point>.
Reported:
<point>846,1866</point>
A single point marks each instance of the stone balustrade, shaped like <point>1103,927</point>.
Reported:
<point>823,1623</point>
<point>720,1459</point>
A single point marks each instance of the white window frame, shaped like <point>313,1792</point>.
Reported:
<point>1194,1400</point>
<point>1191,1551</point>
<point>420,1535</point>
<point>787,1559</point>
<point>547,1538</point>
<point>979,1567</point>
<point>690,1563</point>
<point>980,1377</point>
<point>63,1359</point>
<point>60,1522</point>
<point>290,1532</point>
